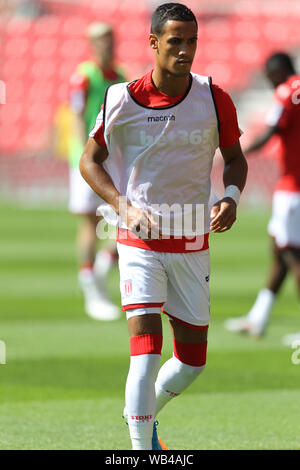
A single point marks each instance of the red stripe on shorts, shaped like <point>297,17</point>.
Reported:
<point>171,244</point>
<point>189,325</point>
<point>146,344</point>
<point>132,306</point>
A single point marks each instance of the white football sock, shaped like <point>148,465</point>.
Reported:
<point>140,399</point>
<point>86,279</point>
<point>173,378</point>
<point>90,285</point>
<point>260,312</point>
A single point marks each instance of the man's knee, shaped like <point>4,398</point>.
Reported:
<point>144,323</point>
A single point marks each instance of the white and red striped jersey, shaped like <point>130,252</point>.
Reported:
<point>162,155</point>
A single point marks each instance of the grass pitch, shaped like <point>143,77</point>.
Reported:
<point>63,384</point>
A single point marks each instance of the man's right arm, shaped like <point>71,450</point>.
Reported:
<point>91,169</point>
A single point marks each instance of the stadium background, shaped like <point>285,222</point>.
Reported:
<point>48,379</point>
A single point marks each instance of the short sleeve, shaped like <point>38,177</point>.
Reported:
<point>229,131</point>
<point>97,131</point>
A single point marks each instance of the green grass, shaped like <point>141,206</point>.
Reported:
<point>63,384</point>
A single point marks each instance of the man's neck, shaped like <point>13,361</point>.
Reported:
<point>291,74</point>
<point>169,84</point>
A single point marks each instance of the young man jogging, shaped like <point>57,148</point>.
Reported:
<point>152,150</point>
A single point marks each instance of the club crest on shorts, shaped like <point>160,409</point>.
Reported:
<point>128,286</point>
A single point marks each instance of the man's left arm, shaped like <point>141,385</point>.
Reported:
<point>223,213</point>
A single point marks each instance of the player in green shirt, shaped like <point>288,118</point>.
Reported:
<point>87,90</point>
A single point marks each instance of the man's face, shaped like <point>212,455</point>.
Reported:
<point>103,48</point>
<point>175,48</point>
<point>276,75</point>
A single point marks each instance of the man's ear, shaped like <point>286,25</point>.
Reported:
<point>153,41</point>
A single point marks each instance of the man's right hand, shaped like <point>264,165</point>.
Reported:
<point>141,223</point>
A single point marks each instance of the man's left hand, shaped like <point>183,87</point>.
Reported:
<point>222,215</point>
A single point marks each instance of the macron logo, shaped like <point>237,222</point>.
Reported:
<point>161,118</point>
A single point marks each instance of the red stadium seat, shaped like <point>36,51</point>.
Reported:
<point>247,52</point>
<point>47,25</point>
<point>66,69</point>
<point>16,47</point>
<point>9,139</point>
<point>43,69</point>
<point>19,27</point>
<point>74,26</point>
<point>43,114</point>
<point>246,29</point>
<point>136,28</point>
<point>216,30</point>
<point>15,90</point>
<point>62,92</point>
<point>39,55</point>
<point>41,91</point>
<point>75,48</point>
<point>132,7</point>
<point>10,114</point>
<point>15,67</point>
<point>276,32</point>
<point>44,47</point>
<point>220,72</point>
<point>128,52</point>
<point>216,51</point>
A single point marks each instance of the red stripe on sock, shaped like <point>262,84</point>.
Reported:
<point>191,354</point>
<point>87,266</point>
<point>146,344</point>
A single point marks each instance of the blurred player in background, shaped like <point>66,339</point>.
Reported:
<point>153,144</point>
<point>282,120</point>
<point>88,86</point>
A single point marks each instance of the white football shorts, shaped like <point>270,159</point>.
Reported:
<point>284,225</point>
<point>82,199</point>
<point>176,282</point>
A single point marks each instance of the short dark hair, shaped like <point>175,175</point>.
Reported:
<point>280,60</point>
<point>170,11</point>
